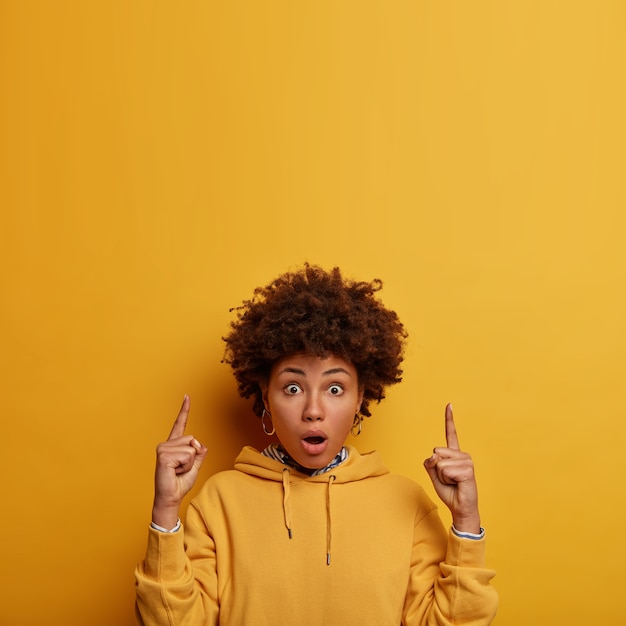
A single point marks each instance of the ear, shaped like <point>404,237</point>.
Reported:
<point>360,399</point>
<point>263,387</point>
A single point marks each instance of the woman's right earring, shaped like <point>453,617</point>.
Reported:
<point>267,432</point>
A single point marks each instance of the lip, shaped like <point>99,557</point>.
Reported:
<point>314,448</point>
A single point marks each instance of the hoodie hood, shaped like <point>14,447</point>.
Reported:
<point>356,467</point>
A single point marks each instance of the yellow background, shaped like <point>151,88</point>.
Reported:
<point>159,160</point>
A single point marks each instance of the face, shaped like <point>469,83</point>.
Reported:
<point>313,402</point>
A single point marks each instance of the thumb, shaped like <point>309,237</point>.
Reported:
<point>201,452</point>
<point>430,464</point>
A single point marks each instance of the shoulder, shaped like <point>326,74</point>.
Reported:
<point>224,479</point>
<point>219,494</point>
<point>371,466</point>
<point>406,487</point>
<point>251,467</point>
<point>397,492</point>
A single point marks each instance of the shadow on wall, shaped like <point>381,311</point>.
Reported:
<point>228,425</point>
<point>242,426</point>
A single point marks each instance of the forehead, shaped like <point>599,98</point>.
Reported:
<point>310,365</point>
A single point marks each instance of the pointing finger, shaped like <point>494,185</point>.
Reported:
<point>451,436</point>
<point>178,430</point>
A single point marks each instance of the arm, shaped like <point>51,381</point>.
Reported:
<point>448,583</point>
<point>460,592</point>
<point>165,583</point>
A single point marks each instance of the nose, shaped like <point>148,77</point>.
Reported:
<point>313,410</point>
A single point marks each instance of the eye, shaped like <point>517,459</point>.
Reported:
<point>292,389</point>
<point>335,390</point>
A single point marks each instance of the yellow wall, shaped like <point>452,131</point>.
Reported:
<point>159,160</point>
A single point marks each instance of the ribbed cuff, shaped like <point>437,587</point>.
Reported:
<point>465,552</point>
<point>165,555</point>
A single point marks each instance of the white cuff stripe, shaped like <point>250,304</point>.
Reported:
<point>164,530</point>
<point>473,536</point>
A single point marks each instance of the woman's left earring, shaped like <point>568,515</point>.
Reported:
<point>357,425</point>
<point>267,432</point>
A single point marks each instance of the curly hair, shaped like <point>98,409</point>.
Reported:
<point>320,313</point>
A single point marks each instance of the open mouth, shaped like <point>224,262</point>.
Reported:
<point>315,440</point>
<point>314,444</point>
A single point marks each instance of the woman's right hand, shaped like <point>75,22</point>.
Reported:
<point>178,463</point>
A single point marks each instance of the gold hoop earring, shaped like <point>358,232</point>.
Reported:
<point>267,432</point>
<point>358,424</point>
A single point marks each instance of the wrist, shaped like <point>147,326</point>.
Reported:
<point>165,516</point>
<point>467,523</point>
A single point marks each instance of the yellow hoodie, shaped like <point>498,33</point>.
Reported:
<point>264,544</point>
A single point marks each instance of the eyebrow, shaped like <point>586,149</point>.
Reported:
<point>330,372</point>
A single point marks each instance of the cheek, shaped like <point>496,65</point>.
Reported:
<point>346,414</point>
<point>283,406</point>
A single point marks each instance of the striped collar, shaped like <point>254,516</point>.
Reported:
<point>278,453</point>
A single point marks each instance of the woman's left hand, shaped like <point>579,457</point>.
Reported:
<point>452,473</point>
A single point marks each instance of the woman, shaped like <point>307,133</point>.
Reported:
<point>309,531</point>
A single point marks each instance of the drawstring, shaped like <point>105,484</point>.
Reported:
<point>287,509</point>
<point>329,533</point>
<point>286,504</point>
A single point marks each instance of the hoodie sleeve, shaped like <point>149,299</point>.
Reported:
<point>169,588</point>
<point>449,584</point>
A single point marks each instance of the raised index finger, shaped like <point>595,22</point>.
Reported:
<point>178,430</point>
<point>451,437</point>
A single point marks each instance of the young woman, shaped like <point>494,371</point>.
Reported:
<point>309,531</point>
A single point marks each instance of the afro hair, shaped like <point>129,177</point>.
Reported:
<point>321,313</point>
